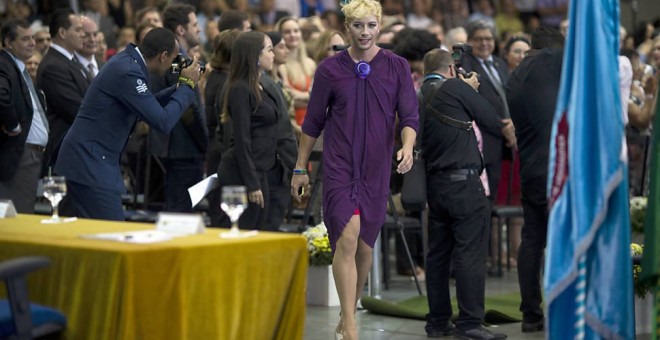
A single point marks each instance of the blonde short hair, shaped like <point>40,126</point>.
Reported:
<point>357,9</point>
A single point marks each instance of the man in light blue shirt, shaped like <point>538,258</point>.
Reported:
<point>23,124</point>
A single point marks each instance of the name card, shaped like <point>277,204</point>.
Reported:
<point>180,224</point>
<point>7,209</point>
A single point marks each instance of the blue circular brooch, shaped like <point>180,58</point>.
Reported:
<point>362,69</point>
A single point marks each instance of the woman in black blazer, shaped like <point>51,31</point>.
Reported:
<point>251,114</point>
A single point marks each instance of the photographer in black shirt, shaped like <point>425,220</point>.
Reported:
<point>459,218</point>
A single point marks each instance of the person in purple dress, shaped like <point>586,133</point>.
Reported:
<point>357,96</point>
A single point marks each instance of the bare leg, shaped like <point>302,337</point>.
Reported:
<point>345,272</point>
<point>363,259</point>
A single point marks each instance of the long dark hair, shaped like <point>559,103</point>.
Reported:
<point>244,65</point>
<point>222,49</point>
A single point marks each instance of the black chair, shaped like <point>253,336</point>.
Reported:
<point>391,227</point>
<point>501,213</point>
<point>20,319</point>
<point>393,224</point>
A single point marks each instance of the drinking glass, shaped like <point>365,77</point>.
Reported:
<point>234,202</point>
<point>54,191</point>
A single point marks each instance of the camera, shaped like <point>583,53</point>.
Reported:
<point>458,50</point>
<point>181,62</point>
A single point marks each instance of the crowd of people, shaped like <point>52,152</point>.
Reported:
<point>90,89</point>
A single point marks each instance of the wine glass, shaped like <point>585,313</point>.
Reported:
<point>54,191</point>
<point>234,202</point>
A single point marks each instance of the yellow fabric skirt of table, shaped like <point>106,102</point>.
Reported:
<point>195,287</point>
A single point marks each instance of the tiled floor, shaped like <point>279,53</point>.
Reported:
<point>321,321</point>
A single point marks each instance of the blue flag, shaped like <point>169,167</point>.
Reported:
<point>589,225</point>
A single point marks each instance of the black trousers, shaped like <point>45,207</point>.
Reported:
<point>280,197</point>
<point>532,248</point>
<point>254,217</point>
<point>459,224</point>
<point>181,174</point>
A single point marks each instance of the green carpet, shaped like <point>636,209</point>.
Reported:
<point>499,309</point>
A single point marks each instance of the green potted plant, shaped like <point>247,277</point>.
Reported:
<point>641,288</point>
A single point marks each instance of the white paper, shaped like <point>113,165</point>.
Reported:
<point>138,236</point>
<point>201,189</point>
<point>7,209</point>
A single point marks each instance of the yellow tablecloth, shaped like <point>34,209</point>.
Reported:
<point>195,287</point>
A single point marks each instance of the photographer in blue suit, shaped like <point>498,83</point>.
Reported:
<point>117,98</point>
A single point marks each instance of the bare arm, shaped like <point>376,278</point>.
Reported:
<point>640,114</point>
<point>405,154</point>
<point>304,150</point>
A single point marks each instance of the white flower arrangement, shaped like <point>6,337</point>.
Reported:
<point>318,245</point>
<point>638,206</point>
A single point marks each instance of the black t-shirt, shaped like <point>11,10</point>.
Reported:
<point>532,92</point>
<point>447,147</point>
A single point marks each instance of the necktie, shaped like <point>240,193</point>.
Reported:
<point>90,69</point>
<point>492,73</point>
<point>33,93</point>
<point>497,82</point>
<point>84,70</point>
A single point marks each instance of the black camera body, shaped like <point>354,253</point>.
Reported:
<point>181,62</point>
<point>458,50</point>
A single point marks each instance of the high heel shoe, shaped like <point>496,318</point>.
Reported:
<point>339,335</point>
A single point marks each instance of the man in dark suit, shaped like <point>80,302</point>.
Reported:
<point>86,54</point>
<point>120,95</point>
<point>184,148</point>
<point>61,77</point>
<point>493,75</point>
<point>24,128</point>
<point>532,93</point>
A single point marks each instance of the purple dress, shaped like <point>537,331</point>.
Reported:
<point>358,119</point>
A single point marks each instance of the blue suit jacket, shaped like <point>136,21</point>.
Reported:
<point>117,98</point>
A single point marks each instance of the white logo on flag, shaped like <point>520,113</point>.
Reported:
<point>141,86</point>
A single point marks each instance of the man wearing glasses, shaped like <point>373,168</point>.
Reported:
<point>493,75</point>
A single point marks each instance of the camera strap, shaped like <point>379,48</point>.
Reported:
<point>424,104</point>
<point>467,126</point>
